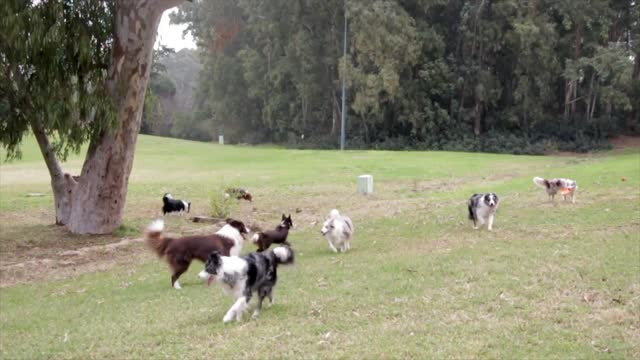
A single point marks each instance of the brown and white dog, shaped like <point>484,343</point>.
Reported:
<point>563,186</point>
<point>179,252</point>
<point>238,193</point>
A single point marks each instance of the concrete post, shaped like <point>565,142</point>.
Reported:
<point>365,184</point>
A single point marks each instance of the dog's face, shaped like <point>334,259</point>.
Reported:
<point>491,200</point>
<point>211,267</point>
<point>286,221</point>
<point>166,197</point>
<point>238,225</point>
<point>330,226</point>
<point>247,196</point>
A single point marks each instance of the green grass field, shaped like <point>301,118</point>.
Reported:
<point>553,280</point>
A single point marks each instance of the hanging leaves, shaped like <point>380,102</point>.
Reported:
<point>52,69</point>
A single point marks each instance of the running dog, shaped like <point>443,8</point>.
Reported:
<point>338,230</point>
<point>240,194</point>
<point>564,186</point>
<point>279,235</point>
<point>482,208</point>
<point>240,277</point>
<point>179,252</point>
<point>169,204</point>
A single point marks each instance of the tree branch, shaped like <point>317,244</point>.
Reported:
<point>48,152</point>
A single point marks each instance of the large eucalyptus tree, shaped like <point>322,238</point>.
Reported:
<point>76,71</point>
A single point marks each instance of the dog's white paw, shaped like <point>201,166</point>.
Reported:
<point>176,285</point>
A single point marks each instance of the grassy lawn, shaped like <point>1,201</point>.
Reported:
<point>553,280</point>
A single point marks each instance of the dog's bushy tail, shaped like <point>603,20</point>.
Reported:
<point>155,240</point>
<point>540,182</point>
<point>284,255</point>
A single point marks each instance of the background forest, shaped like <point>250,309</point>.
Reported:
<point>484,75</point>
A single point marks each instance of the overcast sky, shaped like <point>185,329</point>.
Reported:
<point>171,35</point>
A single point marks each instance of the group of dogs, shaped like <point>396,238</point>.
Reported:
<point>256,272</point>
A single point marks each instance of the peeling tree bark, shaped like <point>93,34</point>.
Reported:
<point>62,183</point>
<point>98,198</point>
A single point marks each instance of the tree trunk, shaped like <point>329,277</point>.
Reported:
<point>568,92</point>
<point>633,117</point>
<point>99,197</point>
<point>62,183</point>
<point>589,99</point>
<point>337,114</point>
<point>477,118</point>
<point>578,52</point>
<point>461,104</point>
<point>593,106</point>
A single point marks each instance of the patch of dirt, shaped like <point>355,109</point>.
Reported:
<point>69,263</point>
<point>34,250</point>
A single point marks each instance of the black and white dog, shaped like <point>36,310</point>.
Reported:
<point>482,208</point>
<point>240,277</point>
<point>174,205</point>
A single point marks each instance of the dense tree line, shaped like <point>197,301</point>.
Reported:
<point>492,75</point>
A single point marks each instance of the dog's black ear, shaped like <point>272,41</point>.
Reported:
<point>214,254</point>
<point>229,221</point>
<point>284,217</point>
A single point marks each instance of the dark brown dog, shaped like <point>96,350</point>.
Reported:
<point>179,252</point>
<point>279,235</point>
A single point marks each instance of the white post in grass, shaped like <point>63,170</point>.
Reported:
<point>365,184</point>
<point>221,139</point>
